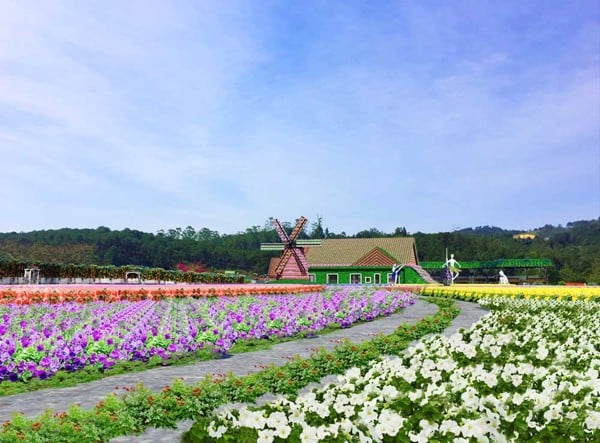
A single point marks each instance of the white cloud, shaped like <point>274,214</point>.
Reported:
<point>166,114</point>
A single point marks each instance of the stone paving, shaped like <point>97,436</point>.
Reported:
<point>89,394</point>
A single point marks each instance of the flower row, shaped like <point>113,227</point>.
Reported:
<point>139,407</point>
<point>39,340</point>
<point>89,293</point>
<point>529,371</point>
<point>475,292</point>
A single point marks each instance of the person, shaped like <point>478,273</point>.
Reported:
<point>452,265</point>
<point>396,273</point>
<point>503,278</point>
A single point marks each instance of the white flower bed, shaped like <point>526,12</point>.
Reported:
<point>528,371</point>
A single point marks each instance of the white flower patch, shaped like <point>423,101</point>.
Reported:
<point>216,432</point>
<point>266,436</point>
<point>528,361</point>
<point>592,421</point>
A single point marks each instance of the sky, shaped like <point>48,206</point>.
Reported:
<point>429,115</point>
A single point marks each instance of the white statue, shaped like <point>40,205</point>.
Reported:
<point>396,273</point>
<point>503,278</point>
<point>452,265</point>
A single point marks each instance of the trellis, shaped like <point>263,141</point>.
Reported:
<point>32,276</point>
<point>133,275</point>
<point>486,271</point>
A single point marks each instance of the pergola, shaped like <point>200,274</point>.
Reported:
<point>518,270</point>
<point>32,276</point>
<point>133,275</point>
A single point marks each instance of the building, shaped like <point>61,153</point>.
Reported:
<point>524,236</point>
<point>362,261</point>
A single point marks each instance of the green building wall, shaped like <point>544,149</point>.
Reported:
<point>407,275</point>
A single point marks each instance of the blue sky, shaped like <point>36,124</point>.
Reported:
<point>433,115</point>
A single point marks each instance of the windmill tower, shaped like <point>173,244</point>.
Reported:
<point>287,268</point>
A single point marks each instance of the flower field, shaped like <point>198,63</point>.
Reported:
<point>39,339</point>
<point>475,292</point>
<point>138,408</point>
<point>89,293</point>
<point>528,371</point>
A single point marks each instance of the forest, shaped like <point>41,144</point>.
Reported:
<point>574,248</point>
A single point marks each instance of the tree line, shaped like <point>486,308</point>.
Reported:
<point>574,248</point>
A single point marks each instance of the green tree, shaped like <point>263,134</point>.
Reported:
<point>316,229</point>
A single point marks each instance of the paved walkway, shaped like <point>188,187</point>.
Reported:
<point>89,394</point>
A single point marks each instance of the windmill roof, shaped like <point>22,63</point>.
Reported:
<point>357,251</point>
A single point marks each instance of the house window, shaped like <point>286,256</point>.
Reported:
<point>377,279</point>
<point>355,279</point>
<point>332,279</point>
<point>389,278</point>
<point>312,278</point>
<point>367,279</point>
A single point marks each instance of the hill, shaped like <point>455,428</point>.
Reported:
<point>574,248</point>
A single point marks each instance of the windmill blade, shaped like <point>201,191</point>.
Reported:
<point>301,263</point>
<point>280,231</point>
<point>309,242</point>
<point>285,257</point>
<point>272,246</point>
<point>298,228</point>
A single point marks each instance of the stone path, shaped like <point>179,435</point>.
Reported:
<point>89,394</point>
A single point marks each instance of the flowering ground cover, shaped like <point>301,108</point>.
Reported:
<point>38,340</point>
<point>90,292</point>
<point>138,408</point>
<point>475,292</point>
<point>528,371</point>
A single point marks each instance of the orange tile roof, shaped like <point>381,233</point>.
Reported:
<point>352,251</point>
<point>377,257</point>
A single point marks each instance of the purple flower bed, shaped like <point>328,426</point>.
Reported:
<point>38,340</point>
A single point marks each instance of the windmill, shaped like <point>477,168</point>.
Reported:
<point>291,247</point>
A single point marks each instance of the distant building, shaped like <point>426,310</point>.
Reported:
<point>362,261</point>
<point>524,236</point>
